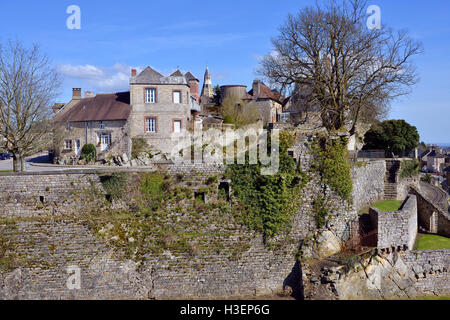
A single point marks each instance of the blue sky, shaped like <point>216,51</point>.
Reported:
<point>231,36</point>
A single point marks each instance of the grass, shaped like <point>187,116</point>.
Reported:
<point>429,242</point>
<point>389,205</point>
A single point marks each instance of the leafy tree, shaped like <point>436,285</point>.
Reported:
<point>217,95</point>
<point>393,136</point>
<point>354,72</point>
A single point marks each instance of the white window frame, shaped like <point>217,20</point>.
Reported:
<point>66,143</point>
<point>150,95</point>
<point>103,146</point>
<point>151,124</point>
<point>181,125</point>
<point>178,93</point>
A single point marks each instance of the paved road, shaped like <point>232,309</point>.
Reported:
<point>41,159</point>
<point>435,194</point>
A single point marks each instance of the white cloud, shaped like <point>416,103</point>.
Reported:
<point>98,78</point>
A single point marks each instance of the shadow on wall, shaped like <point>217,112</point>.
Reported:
<point>294,281</point>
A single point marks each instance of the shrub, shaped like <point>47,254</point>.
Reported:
<point>427,178</point>
<point>114,184</point>
<point>409,168</point>
<point>88,152</point>
<point>138,145</point>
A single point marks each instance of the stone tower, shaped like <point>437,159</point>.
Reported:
<point>207,90</point>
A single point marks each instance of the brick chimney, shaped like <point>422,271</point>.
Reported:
<point>76,93</point>
<point>193,85</point>
<point>256,89</point>
<point>133,72</point>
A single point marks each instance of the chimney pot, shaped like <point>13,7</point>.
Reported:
<point>76,93</point>
<point>133,72</point>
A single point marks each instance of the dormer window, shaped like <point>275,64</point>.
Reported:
<point>150,95</point>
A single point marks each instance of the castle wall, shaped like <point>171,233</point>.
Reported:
<point>34,195</point>
<point>397,230</point>
<point>368,183</point>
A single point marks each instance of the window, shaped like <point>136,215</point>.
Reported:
<point>68,144</point>
<point>176,97</point>
<point>150,95</point>
<point>177,126</point>
<point>102,125</point>
<point>105,141</point>
<point>150,124</point>
<point>68,126</point>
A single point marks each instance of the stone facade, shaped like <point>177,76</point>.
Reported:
<point>164,110</point>
<point>91,132</point>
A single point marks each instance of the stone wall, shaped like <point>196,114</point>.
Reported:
<point>46,249</point>
<point>368,183</point>
<point>431,217</point>
<point>54,193</point>
<point>397,230</point>
<point>397,275</point>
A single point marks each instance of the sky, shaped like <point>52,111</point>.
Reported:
<point>229,36</point>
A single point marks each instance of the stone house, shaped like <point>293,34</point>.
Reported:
<point>298,109</point>
<point>155,109</point>
<point>101,120</point>
<point>162,107</point>
<point>268,102</point>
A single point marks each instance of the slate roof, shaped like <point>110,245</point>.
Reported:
<point>266,93</point>
<point>177,74</point>
<point>151,76</point>
<point>190,76</point>
<point>102,107</point>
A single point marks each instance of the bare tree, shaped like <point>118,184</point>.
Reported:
<point>354,72</point>
<point>28,83</point>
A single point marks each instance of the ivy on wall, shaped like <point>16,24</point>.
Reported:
<point>266,204</point>
<point>332,164</point>
<point>409,168</point>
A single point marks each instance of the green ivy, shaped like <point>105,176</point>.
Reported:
<point>267,203</point>
<point>333,165</point>
<point>409,168</point>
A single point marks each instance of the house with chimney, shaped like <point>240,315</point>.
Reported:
<point>156,108</point>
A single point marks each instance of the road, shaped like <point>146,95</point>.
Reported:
<point>41,159</point>
<point>435,194</point>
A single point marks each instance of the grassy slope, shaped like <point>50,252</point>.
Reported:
<point>389,205</point>
<point>429,242</point>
